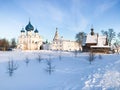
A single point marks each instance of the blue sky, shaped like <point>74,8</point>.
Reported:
<point>70,16</point>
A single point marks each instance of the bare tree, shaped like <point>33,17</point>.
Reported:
<point>27,60</point>
<point>50,68</point>
<point>39,58</point>
<point>75,53</point>
<point>60,57</point>
<point>100,56</point>
<point>4,44</point>
<point>110,34</point>
<point>117,46</point>
<point>118,35</point>
<point>91,57</point>
<point>11,67</point>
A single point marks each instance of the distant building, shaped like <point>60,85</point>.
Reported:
<point>96,43</point>
<point>29,39</point>
<point>59,43</point>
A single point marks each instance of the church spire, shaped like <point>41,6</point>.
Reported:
<point>56,37</point>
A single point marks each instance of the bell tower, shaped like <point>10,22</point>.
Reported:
<point>56,37</point>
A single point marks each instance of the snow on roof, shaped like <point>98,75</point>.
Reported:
<point>91,39</point>
<point>98,46</point>
<point>101,40</point>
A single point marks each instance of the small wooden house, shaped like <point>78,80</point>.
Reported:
<point>96,43</point>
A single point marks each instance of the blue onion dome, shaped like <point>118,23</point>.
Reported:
<point>22,30</point>
<point>36,31</point>
<point>29,27</point>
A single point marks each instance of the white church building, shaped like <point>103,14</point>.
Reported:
<point>59,43</point>
<point>29,39</point>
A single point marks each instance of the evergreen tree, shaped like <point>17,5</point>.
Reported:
<point>79,38</point>
<point>13,43</point>
<point>91,57</point>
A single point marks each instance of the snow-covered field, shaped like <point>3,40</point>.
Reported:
<point>67,71</point>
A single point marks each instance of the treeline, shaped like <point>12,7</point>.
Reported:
<point>7,45</point>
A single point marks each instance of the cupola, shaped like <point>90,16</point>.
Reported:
<point>36,31</point>
<point>22,30</point>
<point>92,31</point>
<point>29,27</point>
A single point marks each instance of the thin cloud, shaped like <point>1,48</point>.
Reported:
<point>55,13</point>
<point>43,10</point>
<point>81,25</point>
<point>78,20</point>
<point>105,6</point>
<point>49,12</point>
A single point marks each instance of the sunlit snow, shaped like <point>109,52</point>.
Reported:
<point>70,72</point>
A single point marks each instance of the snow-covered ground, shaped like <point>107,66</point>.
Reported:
<point>68,72</point>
